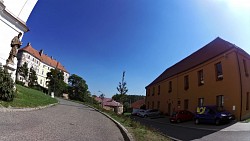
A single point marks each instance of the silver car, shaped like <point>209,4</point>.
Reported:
<point>149,113</point>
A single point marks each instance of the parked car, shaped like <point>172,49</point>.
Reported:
<point>149,113</point>
<point>212,114</point>
<point>135,112</point>
<point>182,115</point>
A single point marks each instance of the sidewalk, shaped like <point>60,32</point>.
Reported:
<point>239,126</point>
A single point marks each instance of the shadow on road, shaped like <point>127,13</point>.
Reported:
<point>181,131</point>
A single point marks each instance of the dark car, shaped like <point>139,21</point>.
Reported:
<point>182,115</point>
<point>149,113</point>
<point>212,114</point>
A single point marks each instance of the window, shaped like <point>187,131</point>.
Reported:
<point>29,57</point>
<point>200,102</point>
<point>220,101</point>
<point>148,92</point>
<point>186,83</point>
<point>179,104</point>
<point>186,104</point>
<point>245,67</point>
<point>158,105</point>
<point>153,105</point>
<point>170,86</point>
<point>159,89</point>
<point>42,72</point>
<point>247,102</point>
<point>218,71</point>
<point>148,104</point>
<point>153,93</point>
<point>41,81</point>
<point>200,78</point>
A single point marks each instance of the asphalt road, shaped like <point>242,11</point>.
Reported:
<point>66,121</point>
<point>187,131</point>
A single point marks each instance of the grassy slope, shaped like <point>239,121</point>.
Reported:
<point>139,132</point>
<point>27,97</point>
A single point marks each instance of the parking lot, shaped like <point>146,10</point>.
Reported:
<point>180,131</point>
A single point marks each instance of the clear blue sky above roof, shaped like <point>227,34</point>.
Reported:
<point>98,40</point>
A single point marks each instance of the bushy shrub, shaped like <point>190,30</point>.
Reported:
<point>20,82</point>
<point>6,86</point>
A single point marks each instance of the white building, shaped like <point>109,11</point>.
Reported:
<point>41,63</point>
<point>13,17</point>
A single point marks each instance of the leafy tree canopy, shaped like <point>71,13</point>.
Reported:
<point>78,89</point>
<point>55,82</point>
<point>32,77</point>
<point>122,89</point>
<point>7,92</point>
<point>23,70</point>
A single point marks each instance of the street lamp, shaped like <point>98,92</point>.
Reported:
<point>102,97</point>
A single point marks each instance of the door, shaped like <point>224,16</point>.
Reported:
<point>169,109</point>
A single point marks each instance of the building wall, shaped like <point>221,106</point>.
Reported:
<point>244,63</point>
<point>229,87</point>
<point>20,8</point>
<point>13,17</point>
<point>40,67</point>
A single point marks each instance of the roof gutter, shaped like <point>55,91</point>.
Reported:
<point>21,24</point>
<point>237,54</point>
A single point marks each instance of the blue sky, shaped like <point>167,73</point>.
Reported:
<point>99,39</point>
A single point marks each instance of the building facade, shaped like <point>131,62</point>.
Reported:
<point>13,17</point>
<point>41,63</point>
<point>217,74</point>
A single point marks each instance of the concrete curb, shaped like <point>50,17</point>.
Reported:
<point>126,135</point>
<point>12,109</point>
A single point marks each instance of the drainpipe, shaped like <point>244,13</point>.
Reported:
<point>240,81</point>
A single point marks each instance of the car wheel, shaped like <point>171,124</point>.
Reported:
<point>217,122</point>
<point>178,120</point>
<point>197,121</point>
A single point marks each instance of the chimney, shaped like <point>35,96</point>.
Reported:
<point>51,57</point>
<point>28,44</point>
<point>41,52</point>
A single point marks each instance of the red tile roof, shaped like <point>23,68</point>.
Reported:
<point>217,47</point>
<point>108,102</point>
<point>138,104</point>
<point>43,57</point>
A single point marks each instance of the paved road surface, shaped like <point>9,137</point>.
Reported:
<point>187,131</point>
<point>64,122</point>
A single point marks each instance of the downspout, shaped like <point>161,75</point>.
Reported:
<point>240,82</point>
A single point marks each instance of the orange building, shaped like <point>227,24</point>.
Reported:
<point>217,74</point>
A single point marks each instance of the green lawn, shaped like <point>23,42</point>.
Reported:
<point>138,131</point>
<point>248,120</point>
<point>27,97</point>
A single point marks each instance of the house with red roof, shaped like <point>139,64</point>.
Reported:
<point>138,104</point>
<point>110,104</point>
<point>40,62</point>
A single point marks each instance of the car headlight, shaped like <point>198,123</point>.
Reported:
<point>223,115</point>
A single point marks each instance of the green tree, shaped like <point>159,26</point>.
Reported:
<point>32,78</point>
<point>7,92</point>
<point>78,88</point>
<point>23,71</point>
<point>122,89</point>
<point>55,82</point>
